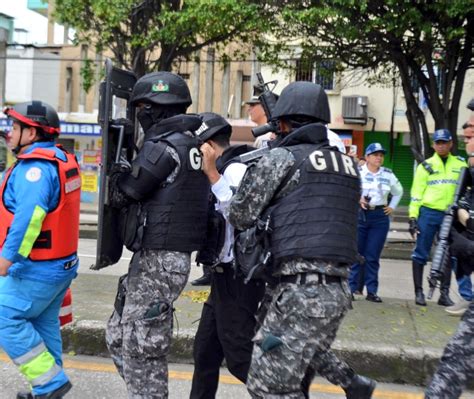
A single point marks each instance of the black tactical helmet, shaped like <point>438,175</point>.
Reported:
<point>36,114</point>
<point>164,88</point>
<point>303,99</point>
<point>212,124</point>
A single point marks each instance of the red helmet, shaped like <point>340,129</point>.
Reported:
<point>36,114</point>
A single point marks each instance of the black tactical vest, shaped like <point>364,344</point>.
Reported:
<point>318,219</point>
<point>176,214</point>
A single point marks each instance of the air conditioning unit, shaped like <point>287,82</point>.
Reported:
<point>354,109</point>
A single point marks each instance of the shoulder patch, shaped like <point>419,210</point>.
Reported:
<point>387,170</point>
<point>33,174</point>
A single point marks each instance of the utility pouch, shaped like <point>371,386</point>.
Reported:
<point>252,250</point>
<point>134,222</point>
<point>121,294</point>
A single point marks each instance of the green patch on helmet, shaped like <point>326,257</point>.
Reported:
<point>160,87</point>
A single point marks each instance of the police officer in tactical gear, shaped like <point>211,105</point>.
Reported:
<point>227,322</point>
<point>311,193</point>
<point>165,196</point>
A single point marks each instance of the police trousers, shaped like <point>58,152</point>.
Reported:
<point>139,331</point>
<point>457,363</point>
<point>296,335</point>
<point>225,330</point>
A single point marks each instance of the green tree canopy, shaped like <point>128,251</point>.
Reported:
<point>150,35</point>
<point>429,44</point>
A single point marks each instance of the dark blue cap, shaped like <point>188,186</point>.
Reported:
<point>442,135</point>
<point>374,147</point>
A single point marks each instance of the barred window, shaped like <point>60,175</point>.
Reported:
<point>321,73</point>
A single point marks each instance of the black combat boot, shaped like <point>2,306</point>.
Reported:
<point>444,299</point>
<point>360,388</point>
<point>56,394</point>
<point>205,279</point>
<point>418,282</point>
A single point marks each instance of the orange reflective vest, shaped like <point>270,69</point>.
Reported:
<point>59,234</point>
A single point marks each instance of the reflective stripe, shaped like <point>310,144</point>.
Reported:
<point>30,355</point>
<point>65,310</point>
<point>32,232</point>
<point>442,181</point>
<point>41,369</point>
<point>46,377</point>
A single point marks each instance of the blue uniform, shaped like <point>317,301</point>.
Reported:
<point>31,294</point>
<point>373,224</point>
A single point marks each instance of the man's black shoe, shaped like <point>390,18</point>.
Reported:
<point>373,298</point>
<point>56,394</point>
<point>420,298</point>
<point>203,280</point>
<point>360,388</point>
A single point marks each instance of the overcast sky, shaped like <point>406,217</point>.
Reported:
<point>36,24</point>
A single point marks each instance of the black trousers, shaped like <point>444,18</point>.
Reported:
<point>225,331</point>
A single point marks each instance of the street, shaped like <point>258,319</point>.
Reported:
<point>96,378</point>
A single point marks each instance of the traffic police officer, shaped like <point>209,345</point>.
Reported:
<point>39,232</point>
<point>228,321</point>
<point>374,218</point>
<point>166,195</point>
<point>311,193</point>
<point>432,193</point>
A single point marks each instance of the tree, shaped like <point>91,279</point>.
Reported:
<point>429,44</point>
<point>150,35</point>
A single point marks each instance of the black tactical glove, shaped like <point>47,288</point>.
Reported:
<point>413,228</point>
<point>118,199</point>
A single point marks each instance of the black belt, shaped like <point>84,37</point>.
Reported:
<point>373,208</point>
<point>303,278</point>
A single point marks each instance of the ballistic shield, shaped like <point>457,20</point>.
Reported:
<point>115,110</point>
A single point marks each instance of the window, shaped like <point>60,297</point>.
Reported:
<point>321,72</point>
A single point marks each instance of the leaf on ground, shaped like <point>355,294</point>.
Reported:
<point>197,296</point>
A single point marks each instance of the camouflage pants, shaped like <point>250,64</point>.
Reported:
<point>457,363</point>
<point>296,334</point>
<point>138,336</point>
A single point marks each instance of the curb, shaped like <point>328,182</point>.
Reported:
<point>405,365</point>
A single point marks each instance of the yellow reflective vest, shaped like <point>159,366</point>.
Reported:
<point>436,190</point>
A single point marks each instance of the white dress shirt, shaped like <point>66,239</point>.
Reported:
<point>379,185</point>
<point>222,189</point>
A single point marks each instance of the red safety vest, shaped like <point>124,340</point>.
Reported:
<point>59,234</point>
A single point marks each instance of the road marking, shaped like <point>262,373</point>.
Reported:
<point>224,379</point>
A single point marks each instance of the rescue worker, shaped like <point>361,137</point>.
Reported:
<point>165,194</point>
<point>39,232</point>
<point>310,192</point>
<point>432,193</point>
<point>228,321</point>
<point>456,367</point>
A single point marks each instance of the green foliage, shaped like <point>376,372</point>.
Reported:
<point>87,74</point>
<point>430,42</point>
<point>146,35</point>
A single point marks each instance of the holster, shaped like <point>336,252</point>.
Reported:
<point>121,295</point>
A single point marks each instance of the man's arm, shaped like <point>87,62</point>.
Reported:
<point>258,187</point>
<point>152,166</point>
<point>417,191</point>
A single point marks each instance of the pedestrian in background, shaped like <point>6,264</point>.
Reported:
<point>39,233</point>
<point>432,192</point>
<point>165,194</point>
<point>378,183</point>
